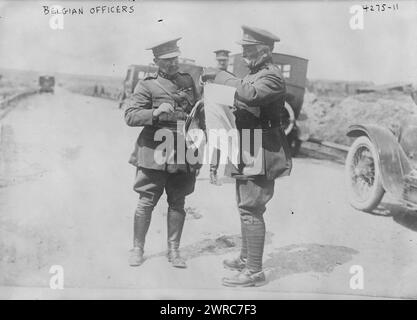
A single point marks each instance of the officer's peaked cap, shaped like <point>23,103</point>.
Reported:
<point>222,54</point>
<point>166,49</point>
<point>252,35</point>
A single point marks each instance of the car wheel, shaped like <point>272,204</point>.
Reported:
<point>290,129</point>
<point>288,119</point>
<point>294,142</point>
<point>362,175</point>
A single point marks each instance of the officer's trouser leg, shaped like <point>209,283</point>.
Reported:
<point>252,196</point>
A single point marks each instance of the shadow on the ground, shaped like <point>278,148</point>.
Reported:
<point>407,218</point>
<point>399,213</point>
<point>303,258</point>
<point>218,246</point>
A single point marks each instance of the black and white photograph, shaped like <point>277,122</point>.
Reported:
<point>208,150</point>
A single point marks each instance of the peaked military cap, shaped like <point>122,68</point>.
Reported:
<point>252,35</point>
<point>222,54</point>
<point>166,49</point>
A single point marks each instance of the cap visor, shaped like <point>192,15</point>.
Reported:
<point>169,55</point>
<point>247,43</point>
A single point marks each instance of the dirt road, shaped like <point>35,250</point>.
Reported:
<point>66,199</point>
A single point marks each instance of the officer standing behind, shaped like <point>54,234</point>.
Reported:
<point>260,97</point>
<point>222,57</point>
<point>160,101</point>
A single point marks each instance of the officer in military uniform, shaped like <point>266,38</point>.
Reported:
<point>222,58</point>
<point>161,101</point>
<point>260,97</point>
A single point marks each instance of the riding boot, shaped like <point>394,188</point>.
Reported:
<point>176,220</point>
<point>141,224</point>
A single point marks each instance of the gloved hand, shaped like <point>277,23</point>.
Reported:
<point>163,108</point>
<point>209,74</point>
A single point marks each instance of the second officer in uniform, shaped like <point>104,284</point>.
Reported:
<point>260,97</point>
<point>222,58</point>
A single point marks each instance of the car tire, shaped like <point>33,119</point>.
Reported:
<point>293,142</point>
<point>289,127</point>
<point>362,175</point>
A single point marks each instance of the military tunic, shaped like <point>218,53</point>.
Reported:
<point>260,97</point>
<point>149,94</point>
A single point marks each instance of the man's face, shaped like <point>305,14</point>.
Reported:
<point>168,66</point>
<point>222,64</point>
<point>250,52</point>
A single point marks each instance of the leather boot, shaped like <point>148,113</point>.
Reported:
<point>136,257</point>
<point>141,224</point>
<point>234,264</point>
<point>176,220</point>
<point>246,278</point>
<point>239,263</point>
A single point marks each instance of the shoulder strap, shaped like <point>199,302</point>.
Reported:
<point>163,88</point>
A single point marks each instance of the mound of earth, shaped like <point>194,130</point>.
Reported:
<point>328,118</point>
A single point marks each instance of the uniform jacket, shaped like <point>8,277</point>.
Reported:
<point>260,96</point>
<point>148,95</point>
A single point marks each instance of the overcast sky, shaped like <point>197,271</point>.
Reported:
<point>385,51</point>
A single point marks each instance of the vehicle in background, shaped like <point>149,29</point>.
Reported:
<point>380,161</point>
<point>46,84</point>
<point>294,70</point>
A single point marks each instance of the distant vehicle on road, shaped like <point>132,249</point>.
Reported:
<point>46,84</point>
<point>379,161</point>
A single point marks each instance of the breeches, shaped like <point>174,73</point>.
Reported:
<point>252,197</point>
<point>150,184</point>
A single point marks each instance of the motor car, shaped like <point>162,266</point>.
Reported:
<point>381,160</point>
<point>46,84</point>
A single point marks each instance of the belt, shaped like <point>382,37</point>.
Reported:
<point>266,124</point>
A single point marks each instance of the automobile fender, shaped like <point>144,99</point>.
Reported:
<point>393,162</point>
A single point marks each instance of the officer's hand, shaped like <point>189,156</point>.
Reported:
<point>233,108</point>
<point>209,74</point>
<point>163,108</point>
